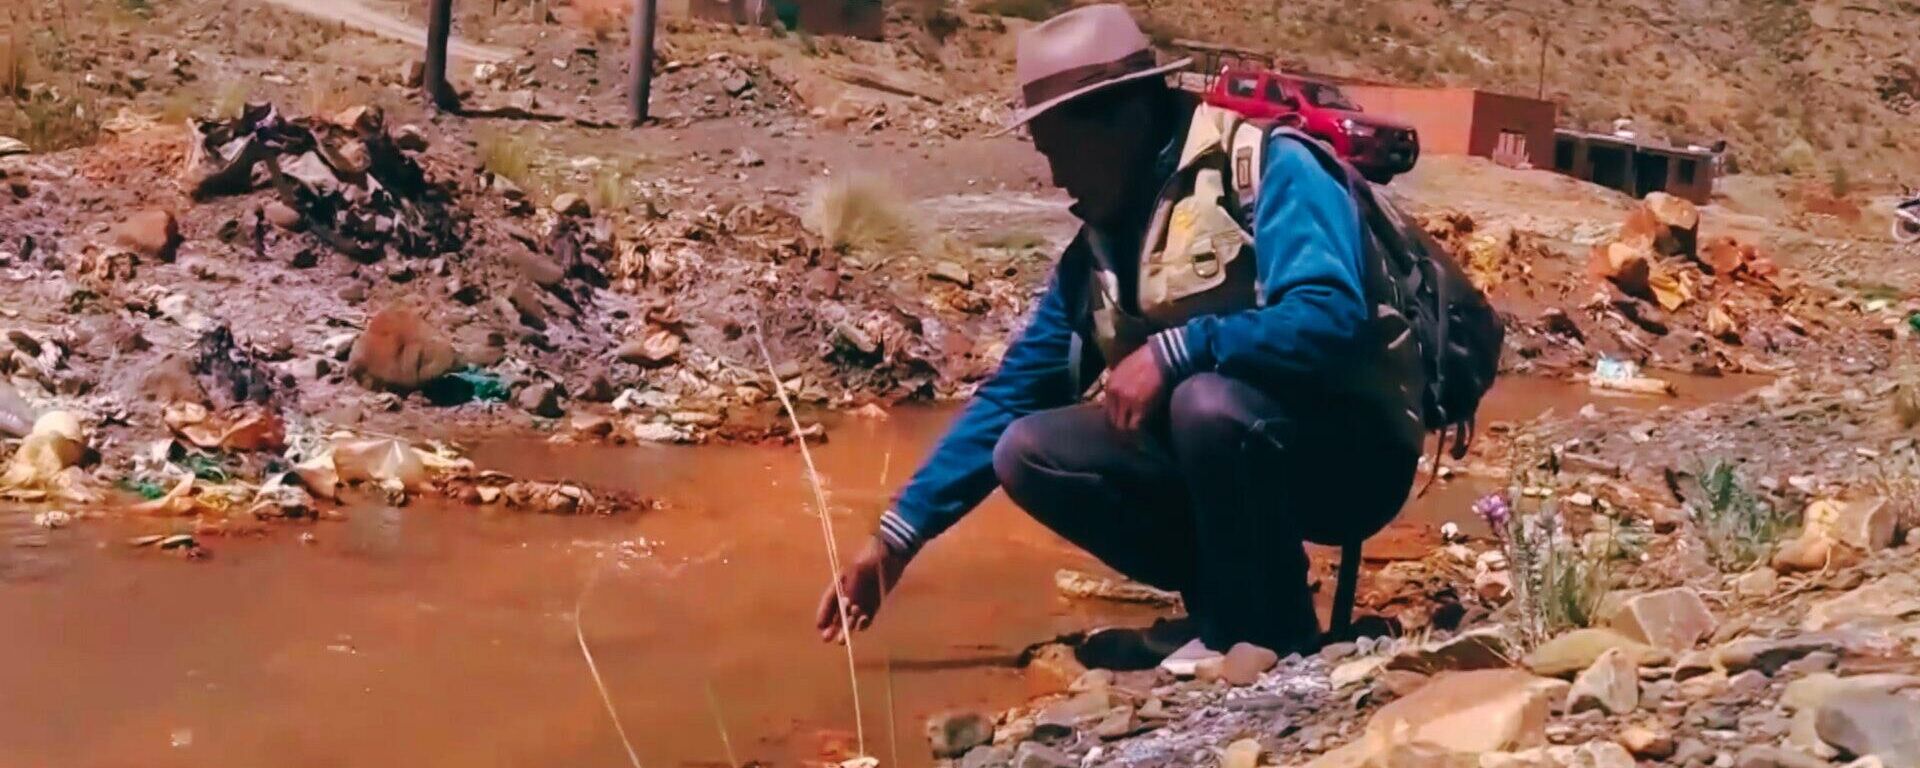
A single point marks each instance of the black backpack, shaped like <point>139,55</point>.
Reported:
<point>1458,333</point>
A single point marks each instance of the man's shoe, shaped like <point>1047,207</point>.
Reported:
<point>1183,662</point>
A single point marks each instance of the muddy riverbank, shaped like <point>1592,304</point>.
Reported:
<point>442,634</point>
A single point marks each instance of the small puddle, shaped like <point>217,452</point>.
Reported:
<point>441,635</point>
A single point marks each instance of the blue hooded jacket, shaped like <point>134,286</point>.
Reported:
<point>1312,309</point>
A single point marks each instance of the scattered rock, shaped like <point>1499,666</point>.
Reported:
<point>410,138</point>
<point>570,204</point>
<point>1479,649</point>
<point>1692,752</point>
<point>281,215</point>
<point>1765,756</point>
<point>1747,685</point>
<point>1612,685</point>
<point>1356,671</point>
<point>1810,552</point>
<point>1813,691</point>
<point>1888,599</point>
<point>1862,723</point>
<point>1244,663</point>
<point>1244,753</point>
<point>1673,619</point>
<point>1759,582</point>
<point>152,233</point>
<point>1051,667</point>
<point>1669,225</point>
<point>748,158</point>
<point>1335,652</point>
<point>1573,652</point>
<point>16,416</point>
<point>1768,656</point>
<point>953,734</point>
<point>1866,524</point>
<point>655,348</point>
<point>1033,754</point>
<point>540,399</point>
<point>12,146</point>
<point>987,756</point>
<point>413,73</point>
<point>951,272</point>
<point>400,352</point>
<point>1647,743</point>
<point>1456,715</point>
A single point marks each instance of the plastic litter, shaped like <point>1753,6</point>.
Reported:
<point>379,460</point>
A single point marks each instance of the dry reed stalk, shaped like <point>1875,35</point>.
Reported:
<point>726,740</point>
<point>605,697</point>
<point>826,532</point>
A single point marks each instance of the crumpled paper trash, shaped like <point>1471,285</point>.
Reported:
<point>56,442</point>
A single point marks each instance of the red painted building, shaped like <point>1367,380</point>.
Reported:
<point>1513,130</point>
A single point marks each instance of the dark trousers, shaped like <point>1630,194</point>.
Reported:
<point>1214,501</point>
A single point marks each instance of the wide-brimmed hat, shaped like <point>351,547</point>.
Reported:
<point>1082,51</point>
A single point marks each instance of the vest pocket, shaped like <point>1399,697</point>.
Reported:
<point>1202,241</point>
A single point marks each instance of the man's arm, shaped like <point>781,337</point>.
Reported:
<point>1034,375</point>
<point>1313,307</point>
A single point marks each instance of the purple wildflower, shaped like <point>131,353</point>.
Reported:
<point>1496,510</point>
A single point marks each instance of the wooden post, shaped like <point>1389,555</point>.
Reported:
<point>640,61</point>
<point>1540,92</point>
<point>434,79</point>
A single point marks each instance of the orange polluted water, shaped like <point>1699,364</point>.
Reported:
<point>443,635</point>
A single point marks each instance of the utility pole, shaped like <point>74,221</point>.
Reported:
<point>1541,91</point>
<point>640,61</point>
<point>434,76</point>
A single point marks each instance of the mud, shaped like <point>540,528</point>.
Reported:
<point>443,635</point>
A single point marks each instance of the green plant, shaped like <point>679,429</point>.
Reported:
<point>1557,583</point>
<point>1736,525</point>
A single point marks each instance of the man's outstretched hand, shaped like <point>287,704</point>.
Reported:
<point>865,583</point>
<point>1136,390</point>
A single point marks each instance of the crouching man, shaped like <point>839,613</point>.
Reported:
<point>1251,403</point>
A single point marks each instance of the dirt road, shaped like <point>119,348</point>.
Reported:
<point>359,16</point>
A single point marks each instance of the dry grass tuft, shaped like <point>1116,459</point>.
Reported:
<point>826,532</point>
<point>863,212</point>
<point>509,156</point>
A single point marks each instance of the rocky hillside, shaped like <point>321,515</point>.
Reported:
<point>1801,86</point>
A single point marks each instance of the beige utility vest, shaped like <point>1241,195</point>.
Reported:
<point>1196,258</point>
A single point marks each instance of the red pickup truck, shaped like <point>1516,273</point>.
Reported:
<point>1379,147</point>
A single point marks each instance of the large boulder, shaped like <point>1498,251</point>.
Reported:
<point>1453,720</point>
<point>400,352</point>
<point>1672,619</point>
<point>1883,725</point>
<point>1667,224</point>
